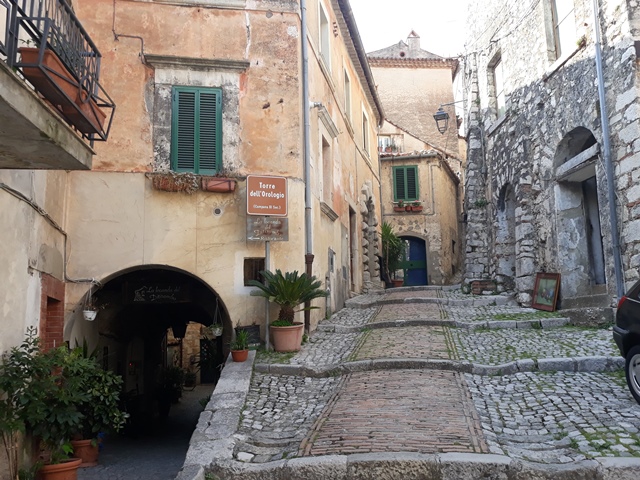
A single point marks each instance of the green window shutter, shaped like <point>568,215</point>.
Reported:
<point>405,183</point>
<point>196,130</point>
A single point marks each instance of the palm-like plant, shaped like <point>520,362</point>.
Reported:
<point>288,290</point>
<point>392,250</point>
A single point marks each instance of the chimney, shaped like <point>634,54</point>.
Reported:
<point>413,40</point>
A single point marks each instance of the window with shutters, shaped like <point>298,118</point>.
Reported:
<point>196,130</point>
<point>405,183</point>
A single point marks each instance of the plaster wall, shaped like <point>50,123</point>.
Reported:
<point>412,95</point>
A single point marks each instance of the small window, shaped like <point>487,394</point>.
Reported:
<point>324,38</point>
<point>564,26</point>
<point>196,130</point>
<point>498,83</point>
<point>365,133</point>
<point>405,183</point>
<point>252,268</point>
<point>327,170</point>
<point>347,95</point>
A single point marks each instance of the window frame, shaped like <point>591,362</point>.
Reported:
<point>561,27</point>
<point>324,40</point>
<point>405,169</point>
<point>366,143</point>
<point>498,87</point>
<point>347,95</point>
<point>197,136</point>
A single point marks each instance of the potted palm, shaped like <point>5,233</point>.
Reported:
<point>240,346</point>
<point>288,290</point>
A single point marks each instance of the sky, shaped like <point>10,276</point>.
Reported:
<point>438,22</point>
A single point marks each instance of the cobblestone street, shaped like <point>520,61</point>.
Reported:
<point>547,413</point>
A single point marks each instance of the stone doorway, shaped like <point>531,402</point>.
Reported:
<point>505,244</point>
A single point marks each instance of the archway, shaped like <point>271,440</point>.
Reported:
<point>506,238</point>
<point>153,326</point>
<point>580,247</point>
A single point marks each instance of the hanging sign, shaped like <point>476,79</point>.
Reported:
<point>266,195</point>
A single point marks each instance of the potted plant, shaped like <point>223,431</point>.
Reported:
<point>416,206</point>
<point>41,392</point>
<point>392,254</point>
<point>170,389</point>
<point>288,290</point>
<point>399,207</point>
<point>240,346</point>
<point>101,411</point>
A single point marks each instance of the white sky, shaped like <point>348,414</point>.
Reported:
<point>438,22</point>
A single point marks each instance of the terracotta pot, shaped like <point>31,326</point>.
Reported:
<point>87,451</point>
<point>90,118</point>
<point>416,209</point>
<point>397,283</point>
<point>287,339</point>
<point>218,184</point>
<point>60,471</point>
<point>398,209</point>
<point>239,355</point>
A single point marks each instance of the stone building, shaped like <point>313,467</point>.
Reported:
<point>420,164</point>
<point>537,198</point>
<point>155,234</point>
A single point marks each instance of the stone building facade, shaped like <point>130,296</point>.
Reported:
<point>420,164</point>
<point>536,189</point>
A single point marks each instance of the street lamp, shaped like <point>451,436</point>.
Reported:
<point>442,120</point>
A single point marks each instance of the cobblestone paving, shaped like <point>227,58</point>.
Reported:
<point>413,294</point>
<point>494,347</point>
<point>385,411</point>
<point>280,412</point>
<point>351,317</point>
<point>417,342</point>
<point>557,417</point>
<point>326,349</point>
<point>422,311</point>
<point>494,312</point>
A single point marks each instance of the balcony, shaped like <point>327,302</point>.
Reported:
<point>52,106</point>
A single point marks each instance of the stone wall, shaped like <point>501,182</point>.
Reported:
<point>548,100</point>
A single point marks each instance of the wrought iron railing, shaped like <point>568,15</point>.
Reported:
<point>51,27</point>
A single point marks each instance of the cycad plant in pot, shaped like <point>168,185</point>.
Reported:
<point>287,290</point>
<point>240,346</point>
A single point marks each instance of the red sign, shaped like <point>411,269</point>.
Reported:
<point>266,196</point>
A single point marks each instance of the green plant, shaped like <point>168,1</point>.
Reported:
<point>401,203</point>
<point>204,401</point>
<point>417,203</point>
<point>481,203</point>
<point>43,394</point>
<point>392,250</point>
<point>288,290</point>
<point>241,342</point>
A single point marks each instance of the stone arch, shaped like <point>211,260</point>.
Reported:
<point>151,317</point>
<point>505,243</point>
<point>370,248</point>
<point>580,250</point>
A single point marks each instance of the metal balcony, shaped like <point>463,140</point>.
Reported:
<point>45,43</point>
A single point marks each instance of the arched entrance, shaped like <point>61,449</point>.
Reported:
<point>414,264</point>
<point>506,238</point>
<point>580,247</point>
<point>154,326</point>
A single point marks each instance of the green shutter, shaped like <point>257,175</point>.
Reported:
<point>405,183</point>
<point>196,130</point>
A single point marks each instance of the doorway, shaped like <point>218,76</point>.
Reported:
<point>414,263</point>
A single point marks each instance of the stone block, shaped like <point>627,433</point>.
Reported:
<point>317,468</point>
<point>591,364</point>
<point>391,466</point>
<point>455,466</point>
<point>619,468</point>
<point>556,365</point>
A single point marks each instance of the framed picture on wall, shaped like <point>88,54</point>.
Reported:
<point>545,291</point>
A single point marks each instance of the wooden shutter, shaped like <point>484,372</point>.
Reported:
<point>196,130</point>
<point>405,183</point>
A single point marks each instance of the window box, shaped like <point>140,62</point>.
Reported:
<point>397,208</point>
<point>218,184</point>
<point>416,208</point>
<point>56,82</point>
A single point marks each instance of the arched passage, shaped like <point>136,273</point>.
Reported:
<point>153,323</point>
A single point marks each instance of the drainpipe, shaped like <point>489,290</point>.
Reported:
<point>308,258</point>
<point>604,119</point>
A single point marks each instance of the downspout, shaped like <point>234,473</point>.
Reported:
<point>308,258</point>
<point>606,151</point>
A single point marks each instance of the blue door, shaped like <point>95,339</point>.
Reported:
<point>415,262</point>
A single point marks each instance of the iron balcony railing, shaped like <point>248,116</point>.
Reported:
<point>46,43</point>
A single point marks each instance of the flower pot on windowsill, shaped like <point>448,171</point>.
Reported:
<point>218,184</point>
<point>416,208</point>
<point>408,208</point>
<point>398,209</point>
